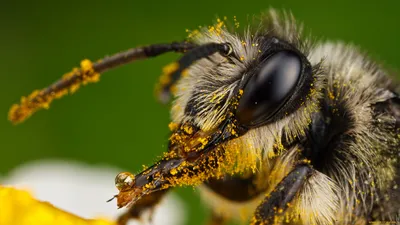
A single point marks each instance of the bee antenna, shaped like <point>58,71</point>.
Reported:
<point>88,73</point>
<point>174,71</point>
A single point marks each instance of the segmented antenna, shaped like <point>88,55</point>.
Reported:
<point>174,71</point>
<point>87,73</point>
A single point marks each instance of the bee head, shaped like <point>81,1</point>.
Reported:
<point>227,98</point>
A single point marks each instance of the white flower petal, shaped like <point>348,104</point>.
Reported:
<point>83,190</point>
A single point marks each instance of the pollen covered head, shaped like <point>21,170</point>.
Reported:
<point>268,72</point>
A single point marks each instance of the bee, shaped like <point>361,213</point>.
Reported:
<point>273,126</point>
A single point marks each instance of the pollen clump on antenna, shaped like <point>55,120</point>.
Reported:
<point>165,78</point>
<point>166,81</point>
<point>41,99</point>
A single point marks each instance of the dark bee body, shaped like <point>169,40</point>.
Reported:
<point>338,134</point>
<point>326,133</point>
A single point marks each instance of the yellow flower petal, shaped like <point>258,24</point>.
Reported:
<point>19,207</point>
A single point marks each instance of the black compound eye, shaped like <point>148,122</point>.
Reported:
<point>268,90</point>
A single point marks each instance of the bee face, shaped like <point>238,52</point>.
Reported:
<point>268,85</point>
<point>267,88</point>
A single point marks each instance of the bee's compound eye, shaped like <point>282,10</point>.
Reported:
<point>124,181</point>
<point>267,90</point>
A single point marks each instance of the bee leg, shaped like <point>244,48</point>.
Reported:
<point>147,202</point>
<point>276,203</point>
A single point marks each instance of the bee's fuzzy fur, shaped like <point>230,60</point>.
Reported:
<point>352,186</point>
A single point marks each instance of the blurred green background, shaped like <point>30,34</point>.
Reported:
<point>117,121</point>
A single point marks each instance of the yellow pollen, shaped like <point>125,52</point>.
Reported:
<point>193,34</point>
<point>173,126</point>
<point>173,171</point>
<point>185,73</point>
<point>173,89</point>
<point>188,129</point>
<point>331,96</point>
<point>170,68</point>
